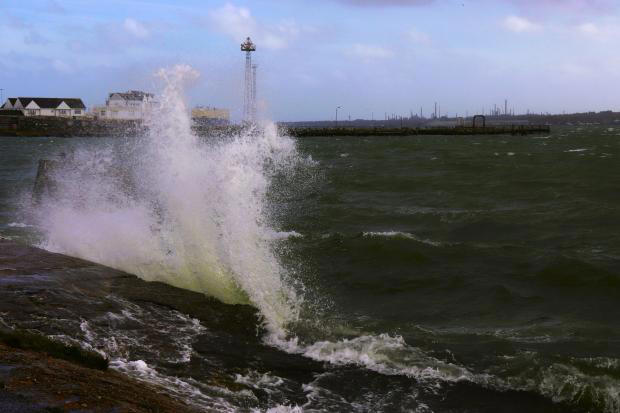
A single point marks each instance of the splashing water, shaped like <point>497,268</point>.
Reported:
<point>170,207</point>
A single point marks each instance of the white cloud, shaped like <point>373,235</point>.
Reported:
<point>61,66</point>
<point>238,23</point>
<point>520,25</point>
<point>589,29</point>
<point>370,52</point>
<point>600,32</point>
<point>418,37</point>
<point>136,28</point>
<point>573,69</point>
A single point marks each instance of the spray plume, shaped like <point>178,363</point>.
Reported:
<point>175,208</point>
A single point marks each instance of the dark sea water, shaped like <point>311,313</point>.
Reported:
<point>432,274</point>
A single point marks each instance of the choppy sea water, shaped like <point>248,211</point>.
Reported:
<point>461,274</point>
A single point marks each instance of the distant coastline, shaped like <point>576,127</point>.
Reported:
<point>585,118</point>
<point>41,126</point>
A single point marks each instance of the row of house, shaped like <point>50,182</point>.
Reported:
<point>65,107</point>
<point>130,105</point>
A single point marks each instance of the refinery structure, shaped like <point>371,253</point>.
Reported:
<point>249,97</point>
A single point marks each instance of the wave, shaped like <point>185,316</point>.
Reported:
<point>563,382</point>
<point>19,225</point>
<point>169,207</point>
<point>282,235</point>
<point>137,338</point>
<point>383,353</point>
<point>576,274</point>
<point>404,235</point>
<point>174,208</point>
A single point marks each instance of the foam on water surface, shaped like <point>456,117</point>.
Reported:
<point>403,235</point>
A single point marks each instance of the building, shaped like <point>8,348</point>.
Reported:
<point>59,107</point>
<point>210,116</point>
<point>130,105</point>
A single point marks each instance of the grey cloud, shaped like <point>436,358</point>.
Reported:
<point>28,31</point>
<point>34,37</point>
<point>54,7</point>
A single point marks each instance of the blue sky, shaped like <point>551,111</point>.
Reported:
<point>368,56</point>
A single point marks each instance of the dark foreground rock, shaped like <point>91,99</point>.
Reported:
<point>34,382</point>
<point>68,299</point>
<point>41,375</point>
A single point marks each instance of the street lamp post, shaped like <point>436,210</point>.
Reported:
<point>337,107</point>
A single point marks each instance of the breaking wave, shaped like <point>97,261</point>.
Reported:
<point>176,208</point>
<point>194,213</point>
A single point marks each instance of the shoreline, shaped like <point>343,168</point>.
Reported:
<point>38,377</point>
<point>34,382</point>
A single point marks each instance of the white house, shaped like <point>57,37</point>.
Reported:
<point>61,107</point>
<point>210,116</point>
<point>130,105</point>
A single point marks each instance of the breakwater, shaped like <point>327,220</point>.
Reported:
<point>27,126</point>
<point>24,126</point>
<point>458,130</point>
<point>43,126</point>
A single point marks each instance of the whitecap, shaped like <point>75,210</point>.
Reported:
<point>281,235</point>
<point>18,225</point>
<point>406,235</point>
<point>385,354</point>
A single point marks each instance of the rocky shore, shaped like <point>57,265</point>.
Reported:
<point>38,374</point>
<point>33,382</point>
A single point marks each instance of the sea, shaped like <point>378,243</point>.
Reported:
<point>331,274</point>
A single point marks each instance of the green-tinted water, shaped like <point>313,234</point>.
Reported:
<point>496,259</point>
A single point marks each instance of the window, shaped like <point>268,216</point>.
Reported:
<point>62,111</point>
<point>32,112</point>
<point>77,112</point>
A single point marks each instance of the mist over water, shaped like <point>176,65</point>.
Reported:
<point>175,208</point>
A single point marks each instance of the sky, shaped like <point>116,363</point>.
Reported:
<point>370,57</point>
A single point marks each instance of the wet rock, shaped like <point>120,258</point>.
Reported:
<point>37,383</point>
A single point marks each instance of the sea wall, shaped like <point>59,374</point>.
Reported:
<point>61,127</point>
<point>88,127</point>
<point>459,130</point>
<point>15,125</point>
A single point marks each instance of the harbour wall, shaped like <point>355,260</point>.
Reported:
<point>87,127</point>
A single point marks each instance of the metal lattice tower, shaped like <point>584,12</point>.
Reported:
<point>254,92</point>
<point>248,99</point>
